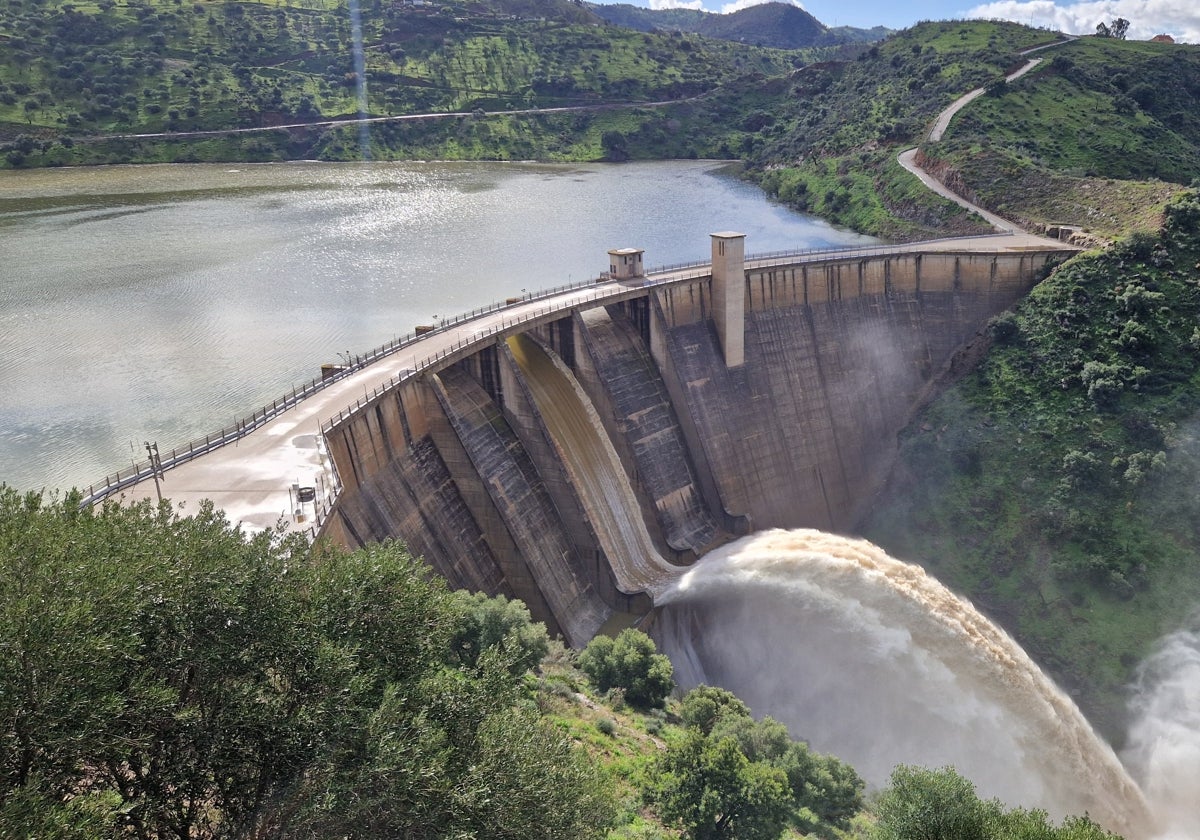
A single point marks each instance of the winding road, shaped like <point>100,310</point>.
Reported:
<point>347,121</point>
<point>908,158</point>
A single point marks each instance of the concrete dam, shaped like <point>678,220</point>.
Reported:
<point>580,459</point>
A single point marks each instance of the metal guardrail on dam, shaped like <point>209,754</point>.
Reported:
<point>661,275</point>
<point>140,471</point>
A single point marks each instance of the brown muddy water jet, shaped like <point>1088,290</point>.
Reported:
<point>871,659</point>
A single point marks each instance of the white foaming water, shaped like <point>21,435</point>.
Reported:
<point>871,659</point>
<point>1164,739</point>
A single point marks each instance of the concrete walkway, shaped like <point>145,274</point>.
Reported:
<point>252,479</point>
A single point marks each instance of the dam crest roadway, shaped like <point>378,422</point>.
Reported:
<point>576,448</point>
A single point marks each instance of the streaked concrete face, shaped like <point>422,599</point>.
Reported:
<point>839,351</point>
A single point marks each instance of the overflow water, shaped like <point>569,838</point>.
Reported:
<point>596,472</point>
<point>871,659</point>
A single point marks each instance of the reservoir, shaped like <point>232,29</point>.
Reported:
<point>158,303</point>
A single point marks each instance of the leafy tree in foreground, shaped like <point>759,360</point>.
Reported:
<point>149,657</point>
<point>702,788</point>
<point>925,804</point>
<point>497,622</point>
<point>708,786</point>
<point>163,676</point>
<point>705,705</point>
<point>922,804</point>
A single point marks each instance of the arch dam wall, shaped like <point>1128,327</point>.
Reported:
<point>838,355</point>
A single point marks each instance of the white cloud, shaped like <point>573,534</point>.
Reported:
<point>698,5</point>
<point>738,5</point>
<point>1147,18</point>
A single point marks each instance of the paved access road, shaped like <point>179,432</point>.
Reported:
<point>908,158</point>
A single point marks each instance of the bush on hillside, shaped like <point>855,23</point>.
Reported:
<point>720,779</point>
<point>488,622</point>
<point>630,662</point>
<point>922,804</point>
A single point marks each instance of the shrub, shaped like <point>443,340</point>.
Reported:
<point>631,662</point>
<point>1005,328</point>
<point>497,622</point>
<point>705,705</point>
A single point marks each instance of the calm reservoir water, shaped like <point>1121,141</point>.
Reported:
<point>163,302</point>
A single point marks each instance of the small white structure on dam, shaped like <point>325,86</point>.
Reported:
<point>625,263</point>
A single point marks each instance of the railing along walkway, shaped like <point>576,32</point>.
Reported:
<point>662,275</point>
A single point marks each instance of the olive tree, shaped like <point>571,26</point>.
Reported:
<point>630,662</point>
<point>164,676</point>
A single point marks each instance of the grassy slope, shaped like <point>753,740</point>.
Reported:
<point>1055,484</point>
<point>846,122</point>
<point>625,742</point>
<point>1100,136</point>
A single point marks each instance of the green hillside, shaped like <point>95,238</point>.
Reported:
<point>771,24</point>
<point>73,71</point>
<point>1095,137</point>
<point>649,20</point>
<point>1055,484</point>
<point>1086,138</point>
<point>833,151</point>
<point>1098,136</point>
<point>166,677</point>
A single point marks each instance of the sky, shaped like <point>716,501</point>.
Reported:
<point>1178,18</point>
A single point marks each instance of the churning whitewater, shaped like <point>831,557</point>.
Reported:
<point>1164,739</point>
<point>871,659</point>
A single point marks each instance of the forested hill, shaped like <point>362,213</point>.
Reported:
<point>80,69</point>
<point>1080,140</point>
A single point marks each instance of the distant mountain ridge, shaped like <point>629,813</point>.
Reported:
<point>780,25</point>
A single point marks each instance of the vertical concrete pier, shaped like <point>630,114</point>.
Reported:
<point>729,294</point>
